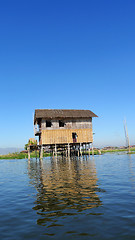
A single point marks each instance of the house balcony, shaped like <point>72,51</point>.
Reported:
<point>37,131</point>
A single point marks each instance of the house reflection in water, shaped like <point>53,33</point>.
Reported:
<point>65,187</point>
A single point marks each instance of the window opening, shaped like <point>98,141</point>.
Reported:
<point>48,124</point>
<point>61,124</point>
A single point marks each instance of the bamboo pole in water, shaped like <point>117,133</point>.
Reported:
<point>126,135</point>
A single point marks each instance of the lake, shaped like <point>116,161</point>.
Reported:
<point>76,198</point>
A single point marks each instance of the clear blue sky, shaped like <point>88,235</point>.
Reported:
<point>67,54</point>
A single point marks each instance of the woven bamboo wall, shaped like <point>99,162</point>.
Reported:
<point>63,136</point>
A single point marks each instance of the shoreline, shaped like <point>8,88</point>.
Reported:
<point>19,155</point>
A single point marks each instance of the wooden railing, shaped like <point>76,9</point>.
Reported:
<point>37,130</point>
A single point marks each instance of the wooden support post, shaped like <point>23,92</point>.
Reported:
<point>78,151</point>
<point>68,150</point>
<point>41,152</point>
<point>75,149</point>
<point>52,150</point>
<point>127,137</point>
<point>36,153</point>
<point>92,150</point>
<point>81,149</point>
<point>28,152</point>
<point>85,149</point>
<point>55,150</point>
<point>99,151</point>
<point>89,149</point>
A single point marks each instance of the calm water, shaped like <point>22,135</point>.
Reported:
<point>68,198</point>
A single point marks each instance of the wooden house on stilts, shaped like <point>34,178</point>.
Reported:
<point>63,130</point>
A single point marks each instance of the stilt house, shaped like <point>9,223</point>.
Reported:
<point>63,127</point>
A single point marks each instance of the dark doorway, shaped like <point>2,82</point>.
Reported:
<point>74,136</point>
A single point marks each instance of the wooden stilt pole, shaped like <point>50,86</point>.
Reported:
<point>68,150</point>
<point>55,150</point>
<point>92,149</point>
<point>78,151</point>
<point>41,152</point>
<point>28,152</point>
<point>126,135</point>
<point>89,149</point>
<point>81,149</point>
<point>85,149</point>
<point>99,151</point>
<point>36,153</point>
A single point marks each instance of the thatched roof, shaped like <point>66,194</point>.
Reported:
<point>62,114</point>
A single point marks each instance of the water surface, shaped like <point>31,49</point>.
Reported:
<point>76,198</point>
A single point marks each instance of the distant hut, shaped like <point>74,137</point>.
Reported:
<point>32,142</point>
<point>63,128</point>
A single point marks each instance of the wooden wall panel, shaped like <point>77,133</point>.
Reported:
<point>63,136</point>
<point>69,124</point>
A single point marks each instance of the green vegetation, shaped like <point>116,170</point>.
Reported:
<point>95,152</point>
<point>21,155</point>
<point>26,145</point>
<point>132,150</point>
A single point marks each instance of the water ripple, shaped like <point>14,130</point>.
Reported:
<point>77,198</point>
